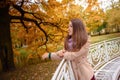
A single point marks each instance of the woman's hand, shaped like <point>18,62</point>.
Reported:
<point>44,56</point>
<point>61,53</point>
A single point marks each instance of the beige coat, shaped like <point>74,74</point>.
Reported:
<point>81,67</point>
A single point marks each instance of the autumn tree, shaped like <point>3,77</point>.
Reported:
<point>113,17</point>
<point>44,22</point>
<point>23,13</point>
<point>93,15</point>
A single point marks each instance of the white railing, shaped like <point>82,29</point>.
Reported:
<point>109,71</point>
<point>99,54</point>
<point>103,51</point>
<point>64,71</point>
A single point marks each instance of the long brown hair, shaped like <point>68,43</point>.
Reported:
<point>79,36</point>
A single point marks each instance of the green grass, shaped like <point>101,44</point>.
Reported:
<point>95,39</point>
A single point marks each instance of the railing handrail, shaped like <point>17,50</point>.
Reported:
<point>97,53</point>
<point>106,44</point>
<point>57,70</point>
<point>109,71</point>
<point>63,62</point>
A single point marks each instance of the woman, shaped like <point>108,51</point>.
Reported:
<point>76,49</point>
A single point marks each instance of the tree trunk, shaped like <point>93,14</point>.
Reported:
<point>6,52</point>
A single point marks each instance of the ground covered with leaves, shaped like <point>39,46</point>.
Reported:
<point>41,71</point>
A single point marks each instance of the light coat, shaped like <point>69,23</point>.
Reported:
<point>81,67</point>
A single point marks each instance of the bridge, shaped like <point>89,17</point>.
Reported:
<point>104,57</point>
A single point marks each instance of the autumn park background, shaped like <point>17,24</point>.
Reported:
<point>29,28</point>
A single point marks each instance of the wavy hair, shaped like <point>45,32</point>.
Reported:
<point>79,36</point>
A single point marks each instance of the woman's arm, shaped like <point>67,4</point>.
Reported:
<point>57,55</point>
<point>73,55</point>
<point>53,55</point>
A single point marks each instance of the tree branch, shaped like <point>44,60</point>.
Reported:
<point>22,18</point>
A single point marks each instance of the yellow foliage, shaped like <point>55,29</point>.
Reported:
<point>59,14</point>
<point>16,53</point>
<point>30,56</point>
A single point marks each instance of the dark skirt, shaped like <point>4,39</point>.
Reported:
<point>93,78</point>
